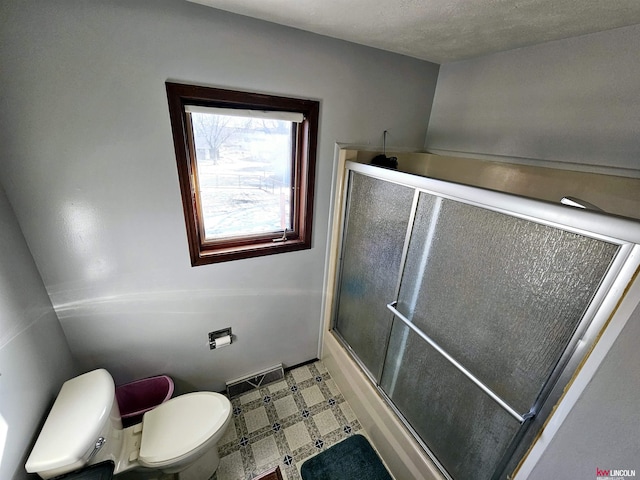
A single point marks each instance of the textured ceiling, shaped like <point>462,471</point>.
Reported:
<point>442,30</point>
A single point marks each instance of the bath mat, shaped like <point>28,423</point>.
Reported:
<point>351,459</point>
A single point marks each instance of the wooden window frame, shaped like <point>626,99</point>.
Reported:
<point>204,251</point>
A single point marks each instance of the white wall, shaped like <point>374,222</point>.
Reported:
<point>34,356</point>
<point>88,165</point>
<point>575,102</point>
<point>601,431</point>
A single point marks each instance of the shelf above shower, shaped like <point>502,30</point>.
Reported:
<point>613,194</point>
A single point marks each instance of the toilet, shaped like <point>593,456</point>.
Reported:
<point>84,427</point>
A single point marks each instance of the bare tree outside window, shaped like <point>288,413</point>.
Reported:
<point>213,131</point>
<point>244,172</point>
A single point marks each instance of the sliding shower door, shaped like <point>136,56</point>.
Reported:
<point>371,255</point>
<point>464,306</point>
<point>493,301</point>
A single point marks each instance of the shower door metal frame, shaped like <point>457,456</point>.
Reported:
<point>343,231</point>
<point>616,230</point>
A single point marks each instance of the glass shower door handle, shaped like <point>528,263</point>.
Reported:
<point>520,418</point>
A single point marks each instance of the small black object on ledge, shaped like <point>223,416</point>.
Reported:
<point>382,160</point>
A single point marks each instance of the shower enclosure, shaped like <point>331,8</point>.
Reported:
<point>470,309</point>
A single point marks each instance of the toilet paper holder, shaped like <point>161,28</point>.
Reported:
<point>220,334</point>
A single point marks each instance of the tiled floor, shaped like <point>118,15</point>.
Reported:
<point>284,423</point>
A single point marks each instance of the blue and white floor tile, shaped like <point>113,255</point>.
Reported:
<point>283,424</point>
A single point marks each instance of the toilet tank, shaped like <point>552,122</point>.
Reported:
<point>84,411</point>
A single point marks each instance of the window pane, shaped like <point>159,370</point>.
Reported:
<point>244,173</point>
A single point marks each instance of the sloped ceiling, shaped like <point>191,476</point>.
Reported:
<point>441,31</point>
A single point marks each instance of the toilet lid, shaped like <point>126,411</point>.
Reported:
<point>181,425</point>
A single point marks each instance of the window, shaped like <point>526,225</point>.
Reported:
<point>246,165</point>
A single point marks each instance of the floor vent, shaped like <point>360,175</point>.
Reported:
<point>256,380</point>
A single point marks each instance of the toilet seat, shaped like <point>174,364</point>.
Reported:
<point>181,425</point>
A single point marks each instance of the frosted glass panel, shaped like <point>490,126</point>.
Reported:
<point>500,294</point>
<point>466,430</point>
<point>377,218</point>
